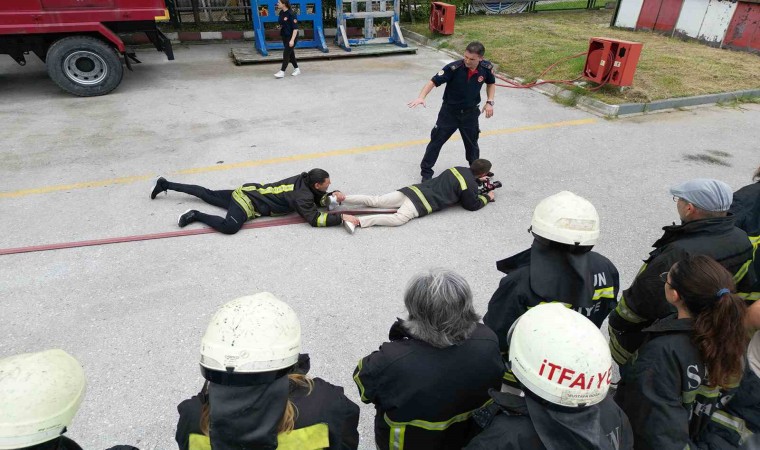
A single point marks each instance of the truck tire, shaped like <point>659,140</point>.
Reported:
<point>84,66</point>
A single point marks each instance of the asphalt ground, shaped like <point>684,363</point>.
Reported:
<point>76,169</point>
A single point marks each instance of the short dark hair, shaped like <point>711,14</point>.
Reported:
<point>476,47</point>
<point>480,166</point>
<point>286,3</point>
<point>317,176</point>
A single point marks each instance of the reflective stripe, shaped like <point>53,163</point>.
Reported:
<point>627,313</point>
<point>322,220</point>
<point>462,183</point>
<point>323,200</point>
<point>749,296</point>
<point>619,354</point>
<point>734,423</point>
<point>314,437</point>
<point>688,397</point>
<point>755,240</point>
<point>607,292</point>
<point>483,199</point>
<point>398,429</point>
<point>270,190</point>
<point>643,267</point>
<point>742,271</point>
<point>358,381</point>
<point>422,197</point>
<point>245,202</point>
<point>509,376</point>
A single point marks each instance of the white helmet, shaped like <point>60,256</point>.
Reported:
<point>39,395</point>
<point>560,356</point>
<point>253,334</point>
<point>566,218</point>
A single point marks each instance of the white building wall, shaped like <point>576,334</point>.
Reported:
<point>628,14</point>
<point>717,20</point>
<point>691,18</point>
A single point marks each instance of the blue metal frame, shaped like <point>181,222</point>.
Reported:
<point>395,37</point>
<point>263,46</point>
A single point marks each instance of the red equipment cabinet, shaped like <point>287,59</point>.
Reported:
<point>611,61</point>
<point>442,17</point>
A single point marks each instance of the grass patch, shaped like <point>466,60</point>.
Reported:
<point>576,4</point>
<point>523,45</point>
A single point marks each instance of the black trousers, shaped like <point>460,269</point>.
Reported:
<point>449,120</point>
<point>288,54</point>
<point>230,224</point>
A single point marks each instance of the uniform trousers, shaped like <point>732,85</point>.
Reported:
<point>406,209</point>
<point>451,119</point>
<point>288,54</point>
<point>230,224</point>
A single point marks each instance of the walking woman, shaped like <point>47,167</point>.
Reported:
<point>288,32</point>
<point>672,386</point>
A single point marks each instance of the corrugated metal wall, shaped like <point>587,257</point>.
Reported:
<point>716,22</point>
<point>744,31</point>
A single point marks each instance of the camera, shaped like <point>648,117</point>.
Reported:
<point>486,185</point>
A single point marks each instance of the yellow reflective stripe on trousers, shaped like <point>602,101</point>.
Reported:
<point>734,423</point>
<point>398,429</point>
<point>619,354</point>
<point>462,183</point>
<point>483,199</point>
<point>627,313</point>
<point>314,437</point>
<point>742,271</point>
<point>422,197</point>
<point>241,199</point>
<point>358,381</point>
<point>607,292</point>
<point>270,190</point>
<point>322,220</point>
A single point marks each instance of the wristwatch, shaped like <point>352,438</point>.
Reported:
<point>489,102</point>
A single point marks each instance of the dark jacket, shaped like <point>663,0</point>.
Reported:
<point>455,185</point>
<point>462,89</point>
<point>664,389</point>
<point>284,197</point>
<point>746,209</point>
<point>424,395</point>
<point>325,405</point>
<point>558,277</point>
<point>512,422</point>
<point>644,301</point>
<point>288,22</point>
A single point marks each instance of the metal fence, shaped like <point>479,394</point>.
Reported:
<point>238,12</point>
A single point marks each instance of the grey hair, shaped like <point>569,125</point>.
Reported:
<point>440,308</point>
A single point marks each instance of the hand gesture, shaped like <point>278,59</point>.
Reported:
<point>349,218</point>
<point>417,101</point>
<point>491,196</point>
<point>339,196</point>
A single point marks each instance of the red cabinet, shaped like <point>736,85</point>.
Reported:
<point>611,61</point>
<point>442,17</point>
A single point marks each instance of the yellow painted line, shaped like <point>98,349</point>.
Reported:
<point>283,159</point>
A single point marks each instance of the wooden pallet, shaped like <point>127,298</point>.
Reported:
<point>249,55</point>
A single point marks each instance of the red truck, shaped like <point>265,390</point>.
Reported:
<point>79,39</point>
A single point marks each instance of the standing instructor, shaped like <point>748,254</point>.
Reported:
<point>461,104</point>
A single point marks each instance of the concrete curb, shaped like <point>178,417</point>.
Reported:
<point>600,108</point>
<point>180,37</point>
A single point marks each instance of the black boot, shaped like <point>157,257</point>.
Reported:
<point>186,218</point>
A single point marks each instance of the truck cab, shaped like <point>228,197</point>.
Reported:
<point>79,39</point>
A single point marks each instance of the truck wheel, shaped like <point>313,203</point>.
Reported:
<point>84,66</point>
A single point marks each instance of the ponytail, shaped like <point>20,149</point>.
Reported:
<point>719,333</point>
<point>720,336</point>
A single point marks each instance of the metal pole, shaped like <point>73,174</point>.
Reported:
<point>196,12</point>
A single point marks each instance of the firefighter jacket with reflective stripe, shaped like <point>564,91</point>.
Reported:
<point>424,395</point>
<point>455,185</point>
<point>512,422</point>
<point>738,423</point>
<point>644,301</point>
<point>746,209</point>
<point>284,197</point>
<point>326,419</point>
<point>664,391</point>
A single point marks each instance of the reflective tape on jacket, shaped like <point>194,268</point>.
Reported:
<point>422,198</point>
<point>483,199</point>
<point>606,292</point>
<point>358,381</point>
<point>742,271</point>
<point>462,183</point>
<point>271,189</point>
<point>322,220</point>
<point>627,313</point>
<point>398,429</point>
<point>314,437</point>
<point>735,424</point>
<point>245,202</point>
<point>619,354</point>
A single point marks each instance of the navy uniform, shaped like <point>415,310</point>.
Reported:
<point>455,185</point>
<point>515,422</point>
<point>460,110</point>
<point>586,282</point>
<point>664,389</point>
<point>644,302</point>
<point>746,210</point>
<point>424,396</point>
<point>288,23</point>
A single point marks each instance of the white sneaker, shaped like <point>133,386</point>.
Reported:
<point>279,74</point>
<point>349,227</point>
<point>296,72</point>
